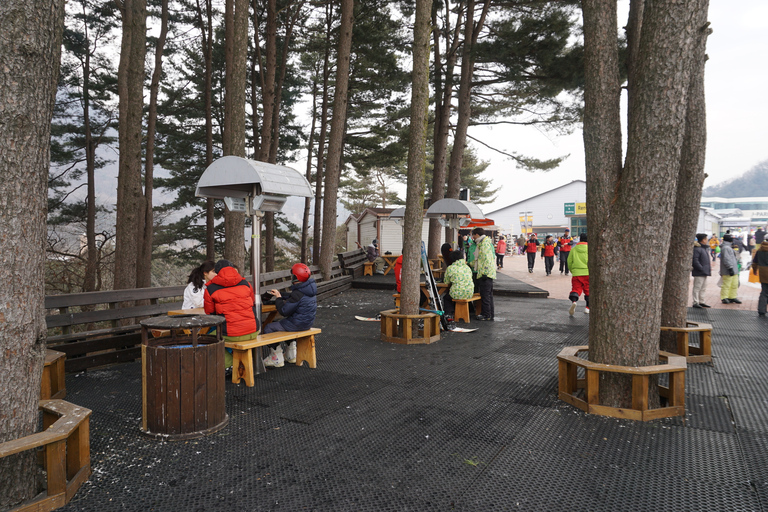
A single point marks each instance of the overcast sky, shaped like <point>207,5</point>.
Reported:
<point>737,112</point>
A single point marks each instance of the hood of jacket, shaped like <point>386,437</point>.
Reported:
<point>308,287</point>
<point>227,277</point>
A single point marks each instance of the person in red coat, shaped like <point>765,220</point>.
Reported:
<point>548,251</point>
<point>531,248</point>
<point>230,295</point>
<point>501,250</point>
<point>565,243</point>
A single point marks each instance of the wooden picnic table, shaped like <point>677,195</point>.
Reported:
<point>270,309</point>
<point>390,259</point>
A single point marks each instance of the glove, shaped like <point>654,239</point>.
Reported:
<point>731,272</point>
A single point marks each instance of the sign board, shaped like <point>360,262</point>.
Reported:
<point>574,208</point>
<point>526,222</point>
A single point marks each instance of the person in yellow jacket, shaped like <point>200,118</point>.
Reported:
<point>714,243</point>
<point>578,263</point>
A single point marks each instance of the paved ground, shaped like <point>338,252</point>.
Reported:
<point>471,422</point>
<point>559,286</point>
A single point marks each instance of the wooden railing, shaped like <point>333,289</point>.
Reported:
<point>66,457</point>
<point>100,328</point>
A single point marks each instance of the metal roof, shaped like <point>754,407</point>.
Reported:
<point>455,207</point>
<point>233,176</point>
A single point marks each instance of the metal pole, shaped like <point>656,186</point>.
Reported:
<point>255,267</point>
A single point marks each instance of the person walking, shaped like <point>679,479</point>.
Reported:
<point>531,248</point>
<point>701,270</point>
<point>760,267</point>
<point>548,251</point>
<point>501,250</point>
<point>759,236</point>
<point>714,245</point>
<point>485,270</point>
<point>564,243</point>
<point>729,272</point>
<point>578,262</point>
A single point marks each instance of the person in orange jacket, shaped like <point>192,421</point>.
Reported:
<point>531,248</point>
<point>548,251</point>
<point>565,243</point>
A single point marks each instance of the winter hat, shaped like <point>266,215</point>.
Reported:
<point>727,238</point>
<point>222,264</point>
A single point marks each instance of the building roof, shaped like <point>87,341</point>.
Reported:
<point>537,195</point>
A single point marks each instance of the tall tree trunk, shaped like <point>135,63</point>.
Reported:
<point>333,170</point>
<point>414,201</point>
<point>92,254</point>
<point>443,96</point>
<point>144,273</point>
<point>625,319</point>
<point>471,32</point>
<point>206,31</point>
<point>30,48</point>
<point>236,35</point>
<point>308,200</point>
<point>319,174</point>
<point>130,86</point>
<point>674,305</point>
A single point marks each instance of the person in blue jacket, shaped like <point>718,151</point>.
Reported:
<point>298,308</point>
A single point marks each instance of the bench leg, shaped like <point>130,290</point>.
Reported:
<point>461,312</point>
<point>305,351</point>
<point>242,366</point>
<point>478,306</point>
<point>368,269</point>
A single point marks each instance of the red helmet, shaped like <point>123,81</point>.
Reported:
<point>300,272</point>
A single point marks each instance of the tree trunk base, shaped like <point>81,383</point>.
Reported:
<point>579,385</point>
<point>409,329</point>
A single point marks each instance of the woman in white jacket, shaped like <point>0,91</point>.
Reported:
<point>193,293</point>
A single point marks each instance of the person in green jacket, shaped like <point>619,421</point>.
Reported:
<point>484,265</point>
<point>578,263</point>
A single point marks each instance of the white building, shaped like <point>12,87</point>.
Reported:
<point>375,223</point>
<point>548,213</point>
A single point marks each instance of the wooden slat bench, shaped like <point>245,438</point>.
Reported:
<point>353,262</point>
<point>242,351</point>
<point>462,308</point>
<point>700,354</point>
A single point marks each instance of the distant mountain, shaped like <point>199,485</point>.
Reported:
<point>753,183</point>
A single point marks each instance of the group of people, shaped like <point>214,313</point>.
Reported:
<point>221,290</point>
<point>728,250</point>
<point>551,250</point>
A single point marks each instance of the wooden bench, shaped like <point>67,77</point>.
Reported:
<point>584,393</point>
<point>65,455</point>
<point>368,268</point>
<point>700,354</point>
<point>242,351</point>
<point>52,386</point>
<point>353,262</point>
<point>462,308</point>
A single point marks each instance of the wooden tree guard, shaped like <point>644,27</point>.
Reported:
<point>398,328</point>
<point>52,385</point>
<point>700,354</point>
<point>66,453</point>
<point>569,385</point>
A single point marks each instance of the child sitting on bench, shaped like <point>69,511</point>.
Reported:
<point>459,276</point>
<point>298,308</point>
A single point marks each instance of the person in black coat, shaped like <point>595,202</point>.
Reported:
<point>759,236</point>
<point>701,270</point>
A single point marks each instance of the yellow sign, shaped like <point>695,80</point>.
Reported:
<point>581,208</point>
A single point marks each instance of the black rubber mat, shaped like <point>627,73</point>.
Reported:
<point>471,422</point>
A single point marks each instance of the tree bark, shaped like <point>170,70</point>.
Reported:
<point>639,200</point>
<point>308,200</point>
<point>92,255</point>
<point>319,174</point>
<point>30,49</point>
<point>130,86</point>
<point>674,305</point>
<point>144,272</point>
<point>443,96</point>
<point>414,201</point>
<point>333,170</point>
<point>236,35</point>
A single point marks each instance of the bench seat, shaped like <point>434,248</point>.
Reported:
<point>462,308</point>
<point>242,351</point>
<point>700,354</point>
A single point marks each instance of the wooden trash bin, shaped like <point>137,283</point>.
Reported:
<point>182,378</point>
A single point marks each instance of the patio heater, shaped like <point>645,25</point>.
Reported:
<point>454,213</point>
<point>252,188</point>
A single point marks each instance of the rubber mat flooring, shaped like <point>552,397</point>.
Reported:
<point>471,422</point>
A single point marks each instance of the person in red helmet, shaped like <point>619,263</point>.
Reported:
<point>298,307</point>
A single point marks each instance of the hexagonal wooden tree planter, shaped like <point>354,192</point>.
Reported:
<point>404,329</point>
<point>584,392</point>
